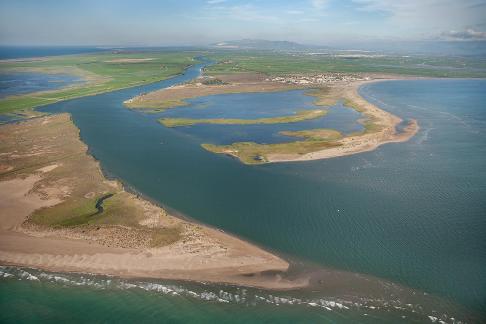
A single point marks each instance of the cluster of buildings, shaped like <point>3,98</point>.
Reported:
<point>322,78</point>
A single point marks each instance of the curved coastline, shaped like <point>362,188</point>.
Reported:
<point>361,142</point>
<point>226,273</point>
<point>191,277</point>
<point>380,127</point>
<point>202,253</point>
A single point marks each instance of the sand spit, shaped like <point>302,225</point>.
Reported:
<point>51,177</point>
<point>367,141</point>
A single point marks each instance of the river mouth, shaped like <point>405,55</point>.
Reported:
<point>351,213</point>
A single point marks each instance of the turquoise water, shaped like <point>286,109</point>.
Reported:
<point>410,212</point>
<point>35,296</point>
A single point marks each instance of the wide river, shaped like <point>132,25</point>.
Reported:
<point>413,213</point>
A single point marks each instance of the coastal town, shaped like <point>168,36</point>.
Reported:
<point>321,78</point>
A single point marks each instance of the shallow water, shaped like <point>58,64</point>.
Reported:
<point>259,105</point>
<point>29,295</point>
<point>26,82</point>
<point>411,212</point>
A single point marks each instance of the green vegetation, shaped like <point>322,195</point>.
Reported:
<point>213,81</point>
<point>282,63</point>
<point>76,177</point>
<point>254,153</point>
<point>328,97</point>
<point>155,107</point>
<point>82,211</point>
<point>117,210</point>
<point>103,73</point>
<point>69,213</point>
<point>371,125</point>
<point>109,71</point>
<point>315,134</point>
<point>299,116</point>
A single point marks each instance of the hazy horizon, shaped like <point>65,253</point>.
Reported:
<point>197,23</point>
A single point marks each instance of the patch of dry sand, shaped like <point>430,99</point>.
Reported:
<point>17,201</point>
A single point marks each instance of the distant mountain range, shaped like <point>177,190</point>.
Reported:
<point>432,47</point>
<point>261,44</point>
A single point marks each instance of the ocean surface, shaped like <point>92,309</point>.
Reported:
<point>410,213</point>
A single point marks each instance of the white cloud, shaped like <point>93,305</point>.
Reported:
<point>245,12</point>
<point>468,34</point>
<point>431,16</point>
<point>319,4</point>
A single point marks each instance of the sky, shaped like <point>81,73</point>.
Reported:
<point>201,22</point>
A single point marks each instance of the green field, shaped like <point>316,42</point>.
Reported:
<point>315,134</point>
<point>102,72</point>
<point>297,117</point>
<point>281,63</point>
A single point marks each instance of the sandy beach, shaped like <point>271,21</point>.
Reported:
<point>43,168</point>
<point>368,141</point>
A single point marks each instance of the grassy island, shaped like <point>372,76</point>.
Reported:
<point>297,117</point>
<point>315,134</point>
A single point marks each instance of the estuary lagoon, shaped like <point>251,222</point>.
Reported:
<point>255,106</point>
<point>26,82</point>
<point>411,212</point>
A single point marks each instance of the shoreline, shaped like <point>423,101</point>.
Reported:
<point>379,125</point>
<point>363,142</point>
<point>201,253</point>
